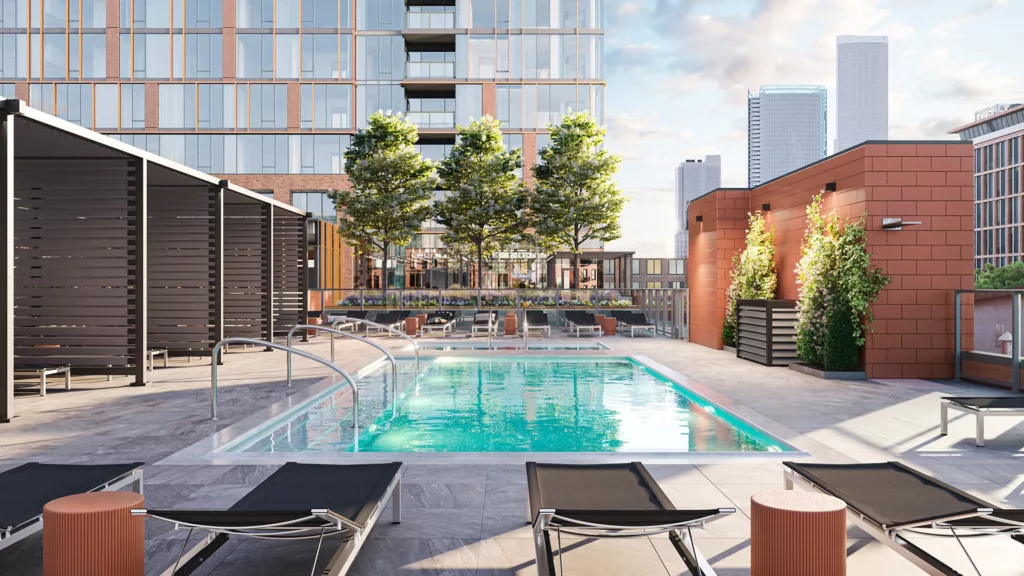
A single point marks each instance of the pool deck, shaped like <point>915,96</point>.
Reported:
<point>469,518</point>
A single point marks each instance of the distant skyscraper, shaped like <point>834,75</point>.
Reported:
<point>862,89</point>
<point>786,130</point>
<point>693,178</point>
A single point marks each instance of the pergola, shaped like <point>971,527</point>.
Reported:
<point>89,220</point>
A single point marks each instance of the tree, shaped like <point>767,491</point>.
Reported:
<point>576,198</point>
<point>1005,278</point>
<point>486,198</point>
<point>753,273</point>
<point>392,187</point>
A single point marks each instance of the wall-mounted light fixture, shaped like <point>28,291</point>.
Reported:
<point>896,223</point>
<point>830,187</point>
<point>700,218</point>
<point>766,207</point>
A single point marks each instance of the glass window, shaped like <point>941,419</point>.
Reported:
<point>203,13</point>
<point>287,14</point>
<point>483,57</point>
<point>7,91</point>
<point>13,56</point>
<point>654,266</point>
<point>635,267</point>
<point>203,58</point>
<point>55,56</point>
<point>177,106</point>
<point>146,14</point>
<point>254,14</point>
<point>371,98</point>
<point>150,58</point>
<point>509,104</point>
<point>380,15</point>
<point>40,96</point>
<point>93,56</point>
<point>468,103</point>
<point>326,14</point>
<point>316,202</point>
<point>93,14</point>
<point>255,56</point>
<point>74,103</point>
<point>55,13</point>
<point>216,103</point>
<point>13,14</point>
<point>543,141</point>
<point>267,106</point>
<point>326,106</point>
<point>484,14</point>
<point>288,56</point>
<point>133,106</point>
<point>321,53</point>
<point>654,284</point>
<point>380,57</point>
<point>106,111</point>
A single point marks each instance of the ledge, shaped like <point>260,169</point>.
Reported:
<point>827,375</point>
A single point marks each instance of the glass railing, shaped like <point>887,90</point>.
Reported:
<point>430,69</point>
<point>432,119</point>
<point>430,20</point>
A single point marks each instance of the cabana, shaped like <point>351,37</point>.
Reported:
<point>88,220</point>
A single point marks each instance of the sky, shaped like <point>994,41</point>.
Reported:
<point>678,72</point>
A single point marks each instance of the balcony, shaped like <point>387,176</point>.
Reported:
<point>432,119</point>
<point>430,20</point>
<point>429,70</point>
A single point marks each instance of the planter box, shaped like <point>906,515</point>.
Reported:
<point>729,349</point>
<point>825,375</point>
<point>766,331</point>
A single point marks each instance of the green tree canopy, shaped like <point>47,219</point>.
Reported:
<point>753,273</point>
<point>486,199</point>
<point>392,186</point>
<point>576,197</point>
<point>1005,278</point>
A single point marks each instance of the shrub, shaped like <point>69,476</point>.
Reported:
<point>837,286</point>
<point>753,273</point>
<point>1007,277</point>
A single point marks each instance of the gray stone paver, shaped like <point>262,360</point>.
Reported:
<point>463,520</point>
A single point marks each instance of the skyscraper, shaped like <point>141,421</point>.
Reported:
<point>862,89</point>
<point>786,129</point>
<point>693,178</point>
<point>267,93</point>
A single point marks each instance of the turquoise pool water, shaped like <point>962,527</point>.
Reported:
<point>515,404</point>
<point>450,346</point>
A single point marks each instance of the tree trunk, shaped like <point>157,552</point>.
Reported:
<point>479,272</point>
<point>384,273</point>
<point>576,269</point>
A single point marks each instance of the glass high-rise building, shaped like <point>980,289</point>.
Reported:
<point>787,129</point>
<point>693,178</point>
<point>268,92</point>
<point>862,90</point>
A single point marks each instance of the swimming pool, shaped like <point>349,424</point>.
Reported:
<point>507,346</point>
<point>513,404</point>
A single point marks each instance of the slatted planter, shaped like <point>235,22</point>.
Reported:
<point>766,331</point>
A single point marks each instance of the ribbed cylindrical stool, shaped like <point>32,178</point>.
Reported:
<point>797,533</point>
<point>94,534</point>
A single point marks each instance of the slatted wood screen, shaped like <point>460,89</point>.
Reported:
<point>75,264</point>
<point>182,288</point>
<point>244,262</point>
<point>289,272</point>
<point>766,331</point>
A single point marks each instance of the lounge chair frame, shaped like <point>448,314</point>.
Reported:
<point>334,525</point>
<point>151,355</point>
<point>17,533</point>
<point>890,535</point>
<point>491,328</point>
<point>42,372</point>
<point>979,414</point>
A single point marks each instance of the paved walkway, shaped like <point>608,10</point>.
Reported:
<point>470,519</point>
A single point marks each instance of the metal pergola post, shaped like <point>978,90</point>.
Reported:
<point>138,188</point>
<point>7,255</point>
<point>218,268</point>
<point>304,276</point>
<point>1015,345</point>
<point>268,273</point>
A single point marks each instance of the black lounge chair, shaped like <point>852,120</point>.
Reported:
<point>355,315</point>
<point>608,500</point>
<point>634,321</point>
<point>579,321</point>
<point>389,319</point>
<point>442,321</point>
<point>890,500</point>
<point>537,320</point>
<point>26,489</point>
<point>484,321</point>
<point>981,406</point>
<point>298,501</point>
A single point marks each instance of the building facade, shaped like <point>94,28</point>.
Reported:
<point>787,129</point>
<point>998,134</point>
<point>658,273</point>
<point>862,90</point>
<point>267,93</point>
<point>693,178</point>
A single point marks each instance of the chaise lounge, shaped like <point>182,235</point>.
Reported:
<point>981,406</point>
<point>608,501</point>
<point>632,320</point>
<point>298,501</point>
<point>890,501</point>
<point>579,321</point>
<point>389,319</point>
<point>24,491</point>
<point>484,321</point>
<point>353,322</point>
<point>536,320</point>
<point>442,321</point>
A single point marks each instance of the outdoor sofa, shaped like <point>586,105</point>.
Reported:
<point>981,407</point>
<point>24,491</point>
<point>891,501</point>
<point>608,501</point>
<point>296,502</point>
<point>579,321</point>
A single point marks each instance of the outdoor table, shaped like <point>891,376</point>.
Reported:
<point>412,325</point>
<point>94,534</point>
<point>797,533</point>
<point>511,323</point>
<point>607,324</point>
<point>422,319</point>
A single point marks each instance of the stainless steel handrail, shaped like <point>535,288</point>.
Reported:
<point>339,319</point>
<point>394,363</point>
<point>348,378</point>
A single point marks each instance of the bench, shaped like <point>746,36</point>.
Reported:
<point>42,372</point>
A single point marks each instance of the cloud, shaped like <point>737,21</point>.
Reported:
<point>631,57</point>
<point>946,27</point>
<point>632,129</point>
<point>948,78</point>
<point>927,129</point>
<point>628,9</point>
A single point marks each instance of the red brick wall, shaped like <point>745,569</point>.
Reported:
<point>912,334</point>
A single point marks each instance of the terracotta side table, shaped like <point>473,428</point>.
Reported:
<point>412,326</point>
<point>511,323</point>
<point>608,324</point>
<point>797,533</point>
<point>422,319</point>
<point>94,534</point>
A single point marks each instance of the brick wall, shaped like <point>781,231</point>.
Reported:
<point>912,334</point>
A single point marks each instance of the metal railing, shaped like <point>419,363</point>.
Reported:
<point>343,319</point>
<point>333,331</point>
<point>430,69</point>
<point>430,19</point>
<point>432,119</point>
<point>348,378</point>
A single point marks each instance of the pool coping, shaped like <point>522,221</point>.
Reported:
<point>210,450</point>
